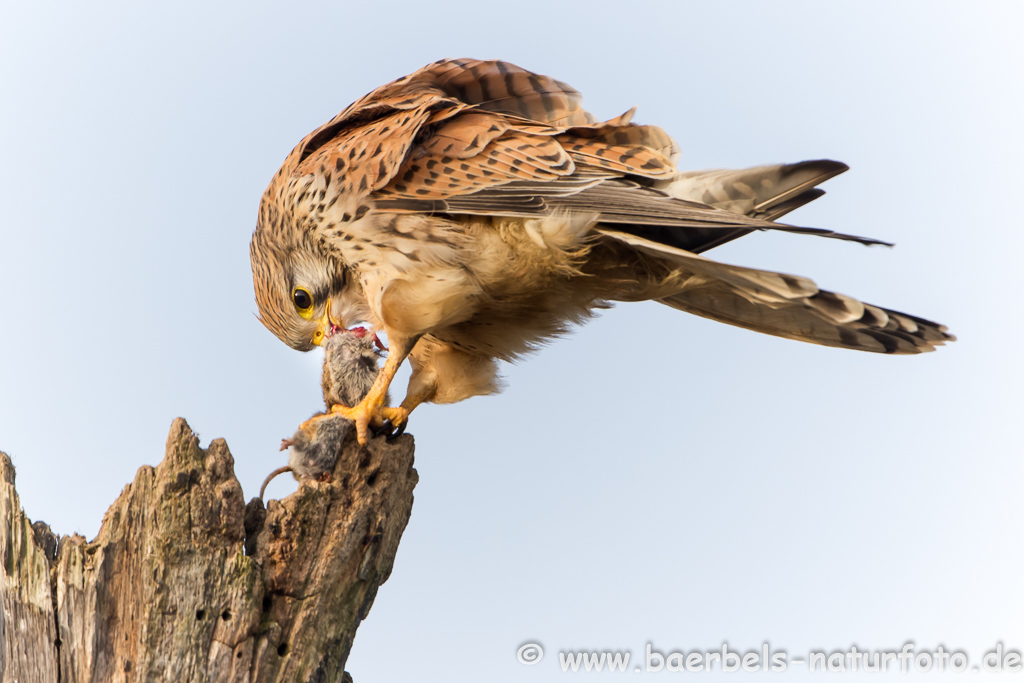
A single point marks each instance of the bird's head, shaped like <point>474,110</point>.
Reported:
<point>304,293</point>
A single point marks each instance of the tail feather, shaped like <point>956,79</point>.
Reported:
<point>753,191</point>
<point>765,192</point>
<point>782,305</point>
<point>803,322</point>
<point>782,208</point>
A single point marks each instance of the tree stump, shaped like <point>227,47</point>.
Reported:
<point>185,582</point>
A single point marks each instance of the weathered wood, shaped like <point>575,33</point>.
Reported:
<point>28,627</point>
<point>185,582</point>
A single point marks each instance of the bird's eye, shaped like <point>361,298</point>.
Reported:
<point>303,301</point>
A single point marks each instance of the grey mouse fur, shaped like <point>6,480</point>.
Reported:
<point>350,368</point>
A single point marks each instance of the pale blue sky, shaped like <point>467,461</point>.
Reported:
<point>654,476</point>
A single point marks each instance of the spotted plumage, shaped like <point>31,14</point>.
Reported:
<point>472,210</point>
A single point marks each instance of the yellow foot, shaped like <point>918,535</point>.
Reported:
<point>368,413</point>
<point>287,443</point>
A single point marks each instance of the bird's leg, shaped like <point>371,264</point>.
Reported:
<point>414,398</point>
<point>392,429</point>
<point>371,410</point>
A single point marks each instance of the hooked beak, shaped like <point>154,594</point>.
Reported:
<point>327,326</point>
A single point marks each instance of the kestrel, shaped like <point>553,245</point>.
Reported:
<point>473,209</point>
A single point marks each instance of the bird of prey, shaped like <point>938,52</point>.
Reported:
<point>472,210</point>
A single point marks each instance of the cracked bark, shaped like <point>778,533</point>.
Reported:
<point>185,582</point>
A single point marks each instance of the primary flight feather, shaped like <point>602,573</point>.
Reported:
<point>473,209</point>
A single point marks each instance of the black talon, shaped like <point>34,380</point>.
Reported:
<point>384,430</point>
<point>392,431</point>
